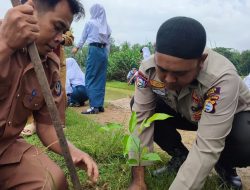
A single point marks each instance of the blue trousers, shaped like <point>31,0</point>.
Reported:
<point>79,95</point>
<point>95,78</point>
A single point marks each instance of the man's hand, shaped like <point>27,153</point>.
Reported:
<point>137,182</point>
<point>19,27</point>
<point>47,135</point>
<point>84,161</point>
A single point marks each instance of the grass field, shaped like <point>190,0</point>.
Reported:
<point>106,149</point>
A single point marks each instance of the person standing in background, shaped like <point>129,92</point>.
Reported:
<point>96,34</point>
<point>145,52</point>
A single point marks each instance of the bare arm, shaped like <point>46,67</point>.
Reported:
<point>47,135</point>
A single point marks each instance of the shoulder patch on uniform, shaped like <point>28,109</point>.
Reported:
<point>58,88</point>
<point>197,106</point>
<point>141,80</point>
<point>156,84</point>
<point>211,97</point>
<point>148,63</point>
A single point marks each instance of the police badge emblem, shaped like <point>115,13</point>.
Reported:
<point>141,80</point>
<point>213,94</point>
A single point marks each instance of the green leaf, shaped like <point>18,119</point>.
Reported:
<point>130,143</point>
<point>113,126</point>
<point>104,129</point>
<point>132,162</point>
<point>144,151</point>
<point>156,116</point>
<point>142,126</point>
<point>151,157</point>
<point>132,122</point>
<point>110,127</point>
<point>136,142</point>
<point>126,145</point>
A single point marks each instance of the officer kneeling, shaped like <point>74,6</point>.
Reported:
<point>203,92</point>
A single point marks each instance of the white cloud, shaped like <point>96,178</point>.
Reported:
<point>137,21</point>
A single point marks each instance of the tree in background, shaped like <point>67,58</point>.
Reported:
<point>122,58</point>
<point>231,54</point>
<point>245,63</point>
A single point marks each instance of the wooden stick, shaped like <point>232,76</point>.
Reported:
<point>40,74</point>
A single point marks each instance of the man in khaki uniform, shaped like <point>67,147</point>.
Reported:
<point>67,40</point>
<point>203,92</point>
<point>23,166</point>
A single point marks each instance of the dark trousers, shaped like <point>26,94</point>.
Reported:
<point>237,147</point>
<point>96,71</point>
<point>236,152</point>
<point>79,95</point>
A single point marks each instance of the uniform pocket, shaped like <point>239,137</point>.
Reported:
<point>13,154</point>
<point>4,91</point>
<point>33,102</point>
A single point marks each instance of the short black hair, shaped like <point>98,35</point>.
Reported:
<point>76,6</point>
<point>182,37</point>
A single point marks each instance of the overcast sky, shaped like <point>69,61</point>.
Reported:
<point>227,22</point>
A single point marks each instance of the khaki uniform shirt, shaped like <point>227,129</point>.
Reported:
<point>21,96</point>
<point>210,102</point>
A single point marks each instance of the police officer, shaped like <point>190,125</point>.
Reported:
<point>203,92</point>
<point>22,165</point>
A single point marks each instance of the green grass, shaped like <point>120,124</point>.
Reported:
<point>117,90</point>
<point>106,149</point>
<point>120,85</point>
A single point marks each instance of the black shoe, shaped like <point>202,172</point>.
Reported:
<point>91,110</point>
<point>229,177</point>
<point>172,166</point>
<point>101,109</point>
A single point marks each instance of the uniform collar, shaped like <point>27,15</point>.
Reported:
<point>204,78</point>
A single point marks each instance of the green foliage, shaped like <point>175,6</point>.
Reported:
<point>80,56</point>
<point>120,85</point>
<point>110,127</point>
<point>123,58</point>
<point>240,60</point>
<point>132,122</point>
<point>132,143</point>
<point>245,63</point>
<point>121,62</point>
<point>231,54</point>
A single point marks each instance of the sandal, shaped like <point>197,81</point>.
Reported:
<point>29,130</point>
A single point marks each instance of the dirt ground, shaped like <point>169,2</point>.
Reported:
<point>118,111</point>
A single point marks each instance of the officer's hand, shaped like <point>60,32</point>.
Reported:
<point>84,161</point>
<point>19,27</point>
<point>74,50</point>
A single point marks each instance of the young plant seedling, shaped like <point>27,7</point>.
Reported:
<point>132,143</point>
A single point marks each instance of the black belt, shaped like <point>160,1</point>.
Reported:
<point>100,45</point>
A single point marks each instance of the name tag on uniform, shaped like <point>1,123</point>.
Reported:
<point>161,92</point>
